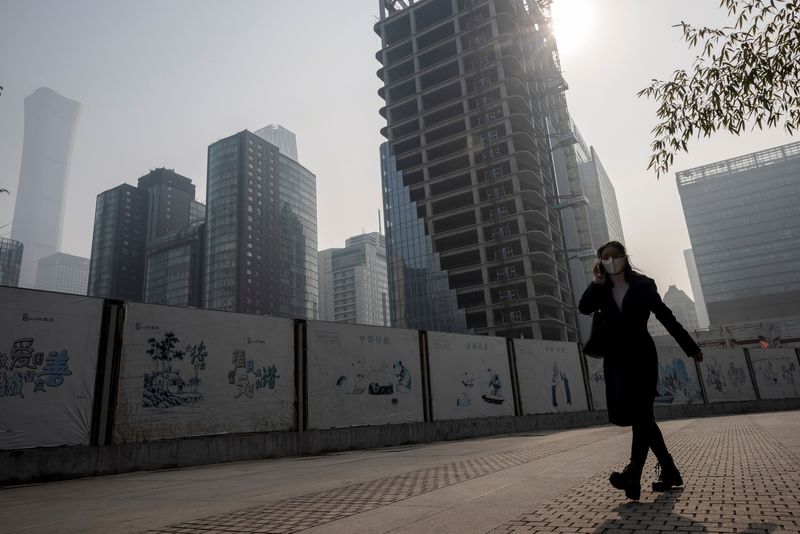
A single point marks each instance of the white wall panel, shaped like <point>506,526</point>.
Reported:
<point>597,383</point>
<point>776,372</point>
<point>725,375</point>
<point>550,376</point>
<point>362,375</point>
<point>188,372</point>
<point>470,376</point>
<point>48,367</point>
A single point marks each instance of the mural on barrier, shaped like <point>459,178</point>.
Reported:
<point>725,375</point>
<point>396,379</point>
<point>550,376</point>
<point>164,387</point>
<point>777,373</point>
<point>470,376</point>
<point>25,369</point>
<point>188,372</point>
<point>489,387</point>
<point>48,367</point>
<point>360,375</point>
<point>597,383</point>
<point>677,378</point>
<point>248,377</point>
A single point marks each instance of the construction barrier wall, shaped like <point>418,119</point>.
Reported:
<point>186,372</point>
<point>550,375</point>
<point>49,346</point>
<point>470,376</point>
<point>79,371</point>
<point>362,375</point>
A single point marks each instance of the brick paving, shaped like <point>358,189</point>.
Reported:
<point>738,479</point>
<point>299,513</point>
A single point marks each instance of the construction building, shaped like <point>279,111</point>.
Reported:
<point>474,107</point>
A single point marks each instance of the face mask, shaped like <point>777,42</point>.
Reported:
<point>614,265</point>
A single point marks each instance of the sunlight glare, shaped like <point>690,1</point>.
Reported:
<point>573,22</point>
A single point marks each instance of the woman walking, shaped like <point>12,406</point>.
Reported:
<point>625,299</point>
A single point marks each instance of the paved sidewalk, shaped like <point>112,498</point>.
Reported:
<point>742,474</point>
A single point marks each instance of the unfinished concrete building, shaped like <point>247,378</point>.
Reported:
<point>470,86</point>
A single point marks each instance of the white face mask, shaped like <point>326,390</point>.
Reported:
<point>614,265</point>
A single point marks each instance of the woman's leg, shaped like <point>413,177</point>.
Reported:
<point>629,479</point>
<point>668,474</point>
<point>658,446</point>
<point>641,442</point>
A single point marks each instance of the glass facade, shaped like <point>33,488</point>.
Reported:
<point>222,232</point>
<point>297,231</point>
<point>10,261</point>
<point>419,294</point>
<point>173,274</point>
<point>742,219</point>
<point>116,268</point>
<point>262,230</point>
<point>63,273</point>
<point>130,219</point>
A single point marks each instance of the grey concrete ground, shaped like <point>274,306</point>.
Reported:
<point>742,474</point>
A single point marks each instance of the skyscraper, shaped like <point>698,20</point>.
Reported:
<point>353,283</point>
<point>682,307</point>
<point>261,239</point>
<point>604,219</point>
<point>63,273</point>
<point>741,214</point>
<point>173,272</point>
<point>697,291</point>
<point>11,253</point>
<point>469,87</point>
<point>419,291</point>
<point>128,222</point>
<point>119,238</point>
<point>282,138</point>
<point>589,209</point>
<point>50,121</point>
<point>169,201</point>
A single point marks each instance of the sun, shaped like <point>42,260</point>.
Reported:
<point>573,22</point>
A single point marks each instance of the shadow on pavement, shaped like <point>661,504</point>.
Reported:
<point>656,515</point>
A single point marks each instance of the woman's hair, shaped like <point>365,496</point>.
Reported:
<point>630,272</point>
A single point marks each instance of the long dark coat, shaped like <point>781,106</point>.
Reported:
<point>630,361</point>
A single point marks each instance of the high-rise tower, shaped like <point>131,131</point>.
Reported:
<point>470,88</point>
<point>741,214</point>
<point>130,224</point>
<point>261,254</point>
<point>50,121</point>
<point>353,286</point>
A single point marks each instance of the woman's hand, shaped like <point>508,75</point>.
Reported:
<point>698,357</point>
<point>599,274</point>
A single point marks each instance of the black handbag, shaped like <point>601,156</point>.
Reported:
<point>595,346</point>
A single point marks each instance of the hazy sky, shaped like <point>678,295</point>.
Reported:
<point>161,80</point>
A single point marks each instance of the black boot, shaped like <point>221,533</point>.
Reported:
<point>628,480</point>
<point>668,476</point>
